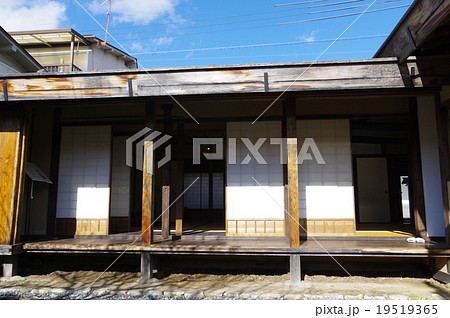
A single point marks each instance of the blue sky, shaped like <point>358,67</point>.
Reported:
<point>166,33</point>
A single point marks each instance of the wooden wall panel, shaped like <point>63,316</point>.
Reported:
<point>72,226</point>
<point>11,176</point>
<point>327,227</point>
<point>255,228</point>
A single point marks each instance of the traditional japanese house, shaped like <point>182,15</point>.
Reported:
<point>285,160</point>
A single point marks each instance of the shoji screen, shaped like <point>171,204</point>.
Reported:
<point>326,198</point>
<point>253,209</point>
<point>84,178</point>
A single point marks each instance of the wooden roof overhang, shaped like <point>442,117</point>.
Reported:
<point>424,29</point>
<point>329,78</point>
<point>421,40</point>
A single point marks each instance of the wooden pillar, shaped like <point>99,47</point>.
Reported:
<point>12,166</point>
<point>179,205</point>
<point>165,217</point>
<point>444,158</point>
<point>295,270</point>
<point>148,204</point>
<point>54,174</point>
<point>210,190</point>
<point>146,267</point>
<point>147,195</point>
<point>415,174</point>
<point>9,264</point>
<point>292,172</point>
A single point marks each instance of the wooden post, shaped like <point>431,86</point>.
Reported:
<point>12,163</point>
<point>179,205</point>
<point>146,267</point>
<point>295,270</point>
<point>165,217</point>
<point>292,172</point>
<point>147,195</point>
<point>54,173</point>
<point>210,190</point>
<point>444,158</point>
<point>415,174</point>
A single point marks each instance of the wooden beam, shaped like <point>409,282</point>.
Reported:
<point>292,172</point>
<point>322,76</point>
<point>147,195</point>
<point>166,177</point>
<point>179,205</point>
<point>12,161</point>
<point>415,172</point>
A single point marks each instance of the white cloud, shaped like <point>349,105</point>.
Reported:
<point>135,11</point>
<point>163,41</point>
<point>19,15</point>
<point>308,37</point>
<point>137,47</point>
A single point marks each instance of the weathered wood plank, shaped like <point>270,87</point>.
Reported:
<point>11,165</point>
<point>147,195</point>
<point>246,79</point>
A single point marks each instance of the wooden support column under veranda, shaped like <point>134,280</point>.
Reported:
<point>166,177</point>
<point>13,133</point>
<point>179,186</point>
<point>415,171</point>
<point>293,230</point>
<point>147,180</point>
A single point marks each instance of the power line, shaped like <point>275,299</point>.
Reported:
<point>254,20</point>
<point>344,15</point>
<point>335,4</point>
<point>259,45</point>
<point>251,56</point>
<point>255,27</point>
<point>353,7</point>
<point>202,20</point>
<point>299,3</point>
<point>219,24</point>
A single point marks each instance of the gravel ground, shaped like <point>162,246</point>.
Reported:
<point>124,285</point>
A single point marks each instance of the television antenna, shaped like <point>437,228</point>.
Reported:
<point>107,19</point>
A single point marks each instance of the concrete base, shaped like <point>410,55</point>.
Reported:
<point>9,265</point>
<point>295,270</point>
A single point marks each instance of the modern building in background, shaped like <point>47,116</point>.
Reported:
<point>65,50</point>
<point>13,58</point>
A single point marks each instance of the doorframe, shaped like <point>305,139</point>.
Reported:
<point>355,180</point>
